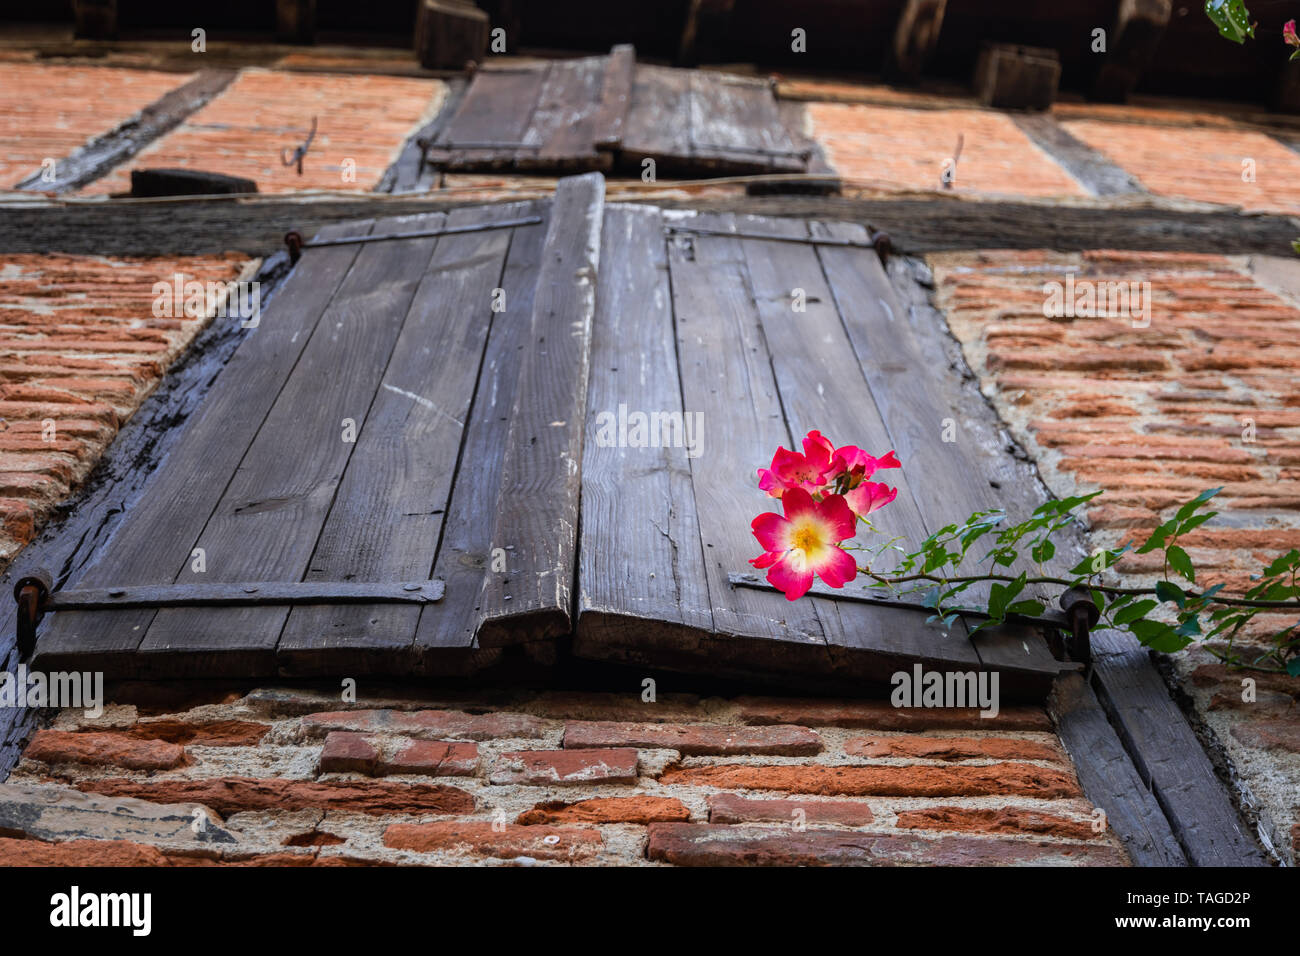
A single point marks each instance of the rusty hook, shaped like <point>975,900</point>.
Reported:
<point>289,155</point>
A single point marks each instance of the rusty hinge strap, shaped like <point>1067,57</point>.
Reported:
<point>296,244</point>
<point>246,595</point>
<point>1049,617</point>
<point>803,240</point>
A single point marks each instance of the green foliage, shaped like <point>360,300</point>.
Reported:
<point>1232,18</point>
<point>986,571</point>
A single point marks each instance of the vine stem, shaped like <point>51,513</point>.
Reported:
<point>963,579</point>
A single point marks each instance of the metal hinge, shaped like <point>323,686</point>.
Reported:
<point>295,243</point>
<point>35,594</point>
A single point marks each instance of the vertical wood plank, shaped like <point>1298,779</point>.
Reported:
<point>389,511</point>
<point>615,98</point>
<point>822,387</point>
<point>641,568</point>
<point>165,522</point>
<point>537,511</point>
<point>270,517</point>
<point>445,638</point>
<point>727,375</point>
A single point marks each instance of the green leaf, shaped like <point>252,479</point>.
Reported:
<point>1158,537</point>
<point>1043,551</point>
<point>1196,521</point>
<point>1189,509</point>
<point>1000,595</point>
<point>1293,665</point>
<point>1180,562</point>
<point>1283,563</point>
<point>1099,562</point>
<point>1158,636</point>
<point>1232,18</point>
<point>1027,608</point>
<point>1168,591</point>
<point>1134,612</point>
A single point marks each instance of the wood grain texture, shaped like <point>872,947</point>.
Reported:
<point>1108,777</point>
<point>494,115</point>
<point>615,98</point>
<point>641,577</point>
<point>822,387</point>
<point>389,511</point>
<point>727,376</point>
<point>167,520</point>
<point>563,125</point>
<point>1168,756</point>
<point>736,128</point>
<point>445,640</point>
<point>269,518</point>
<point>536,520</point>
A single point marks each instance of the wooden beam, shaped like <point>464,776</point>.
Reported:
<point>295,21</point>
<point>94,19</point>
<point>1139,26</point>
<point>1009,76</point>
<point>450,33</point>
<point>1108,776</point>
<point>1096,172</point>
<point>915,37</point>
<point>104,152</point>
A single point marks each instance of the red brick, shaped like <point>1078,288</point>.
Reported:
<point>348,753</point>
<point>953,748</point>
<point>427,724</point>
<point>703,844</point>
<point>1020,779</point>
<point>233,794</point>
<point>880,715</point>
<point>213,733</point>
<point>694,740</point>
<point>729,808</point>
<point>550,767</point>
<point>1269,734</point>
<point>502,841</point>
<point>598,810</point>
<point>104,749</point>
<point>1000,820</point>
<point>434,758</point>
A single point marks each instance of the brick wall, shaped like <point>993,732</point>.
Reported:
<point>549,777</point>
<point>79,348</point>
<point>901,149</point>
<point>364,119</point>
<point>1154,415</point>
<point>49,111</point>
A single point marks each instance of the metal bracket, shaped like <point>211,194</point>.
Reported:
<point>35,594</point>
<point>1048,618</point>
<point>294,242</point>
<point>1078,616</point>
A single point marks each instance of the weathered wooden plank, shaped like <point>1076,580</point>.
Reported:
<point>735,127</point>
<point>269,518</point>
<point>658,120</point>
<point>726,376</point>
<point>562,127</point>
<point>389,510</point>
<point>1108,776</point>
<point>916,34</point>
<point>492,120</point>
<point>822,387</point>
<point>615,98</point>
<point>537,510</point>
<point>167,519</point>
<point>641,578</point>
<point>1139,25</point>
<point>949,482</point>
<point>104,152</point>
<point>257,225</point>
<point>794,117</point>
<point>1168,756</point>
<point>1096,172</point>
<point>445,638</point>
